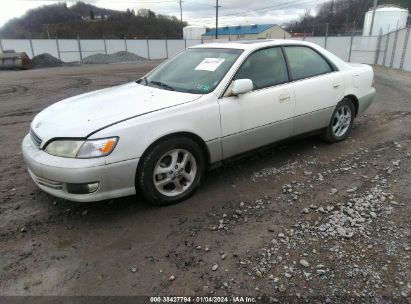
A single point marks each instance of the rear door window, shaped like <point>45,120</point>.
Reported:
<point>305,62</point>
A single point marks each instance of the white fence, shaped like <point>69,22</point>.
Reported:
<point>71,50</point>
<point>391,50</point>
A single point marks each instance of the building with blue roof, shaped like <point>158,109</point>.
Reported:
<point>251,31</point>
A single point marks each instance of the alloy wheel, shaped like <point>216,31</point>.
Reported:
<point>341,121</point>
<point>175,172</point>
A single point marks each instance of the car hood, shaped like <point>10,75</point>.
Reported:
<point>81,115</point>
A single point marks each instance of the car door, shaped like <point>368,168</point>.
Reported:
<point>318,88</point>
<point>263,115</point>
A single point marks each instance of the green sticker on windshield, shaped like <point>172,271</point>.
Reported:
<point>204,88</point>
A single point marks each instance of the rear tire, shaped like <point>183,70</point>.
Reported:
<point>341,123</point>
<point>171,171</point>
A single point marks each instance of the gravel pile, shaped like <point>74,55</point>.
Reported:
<point>45,60</point>
<point>111,58</point>
<point>353,216</point>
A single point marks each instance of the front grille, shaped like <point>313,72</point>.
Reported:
<point>49,183</point>
<point>35,138</point>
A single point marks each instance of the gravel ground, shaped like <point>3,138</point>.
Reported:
<point>304,221</point>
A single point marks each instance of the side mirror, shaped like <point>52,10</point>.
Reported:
<point>241,86</point>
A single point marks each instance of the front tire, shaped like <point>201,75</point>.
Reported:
<point>341,123</point>
<point>171,171</point>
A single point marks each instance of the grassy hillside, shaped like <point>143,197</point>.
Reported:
<point>90,21</point>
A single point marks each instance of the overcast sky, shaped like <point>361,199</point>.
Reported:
<point>195,12</point>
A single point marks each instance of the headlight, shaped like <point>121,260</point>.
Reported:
<point>64,148</point>
<point>82,149</point>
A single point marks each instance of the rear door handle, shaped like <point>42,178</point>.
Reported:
<point>284,97</point>
<point>336,85</point>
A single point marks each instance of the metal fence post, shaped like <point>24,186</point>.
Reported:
<point>166,48</point>
<point>105,45</point>
<point>79,47</point>
<point>350,52</point>
<point>185,43</point>
<point>393,49</point>
<point>125,43</point>
<point>386,48</point>
<point>1,46</point>
<point>404,50</point>
<point>304,36</point>
<point>352,39</point>
<point>326,36</point>
<point>148,50</point>
<point>377,53</point>
<point>58,47</point>
<point>31,46</point>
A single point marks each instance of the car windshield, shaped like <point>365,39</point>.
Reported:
<point>196,71</point>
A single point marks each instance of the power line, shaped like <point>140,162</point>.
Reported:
<point>133,2</point>
<point>264,8</point>
<point>278,6</point>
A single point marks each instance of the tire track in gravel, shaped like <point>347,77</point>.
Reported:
<point>22,112</point>
<point>79,83</point>
<point>10,90</point>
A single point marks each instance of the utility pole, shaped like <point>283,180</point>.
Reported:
<point>181,18</point>
<point>373,16</point>
<point>216,19</point>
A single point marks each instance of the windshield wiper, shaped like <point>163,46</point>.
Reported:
<point>161,84</point>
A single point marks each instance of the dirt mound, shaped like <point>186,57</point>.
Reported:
<point>45,60</point>
<point>112,58</point>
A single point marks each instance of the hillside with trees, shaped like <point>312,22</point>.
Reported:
<point>90,21</point>
<point>340,15</point>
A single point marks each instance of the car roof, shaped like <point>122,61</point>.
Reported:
<point>250,44</point>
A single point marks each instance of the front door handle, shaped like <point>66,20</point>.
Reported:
<point>336,85</point>
<point>283,98</point>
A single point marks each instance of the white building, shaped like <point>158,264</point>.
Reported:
<point>193,32</point>
<point>387,19</point>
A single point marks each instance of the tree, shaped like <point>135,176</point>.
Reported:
<point>340,15</point>
<point>143,13</point>
<point>68,22</point>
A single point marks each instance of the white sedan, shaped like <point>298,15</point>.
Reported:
<point>158,135</point>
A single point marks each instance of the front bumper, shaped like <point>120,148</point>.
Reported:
<point>52,174</point>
